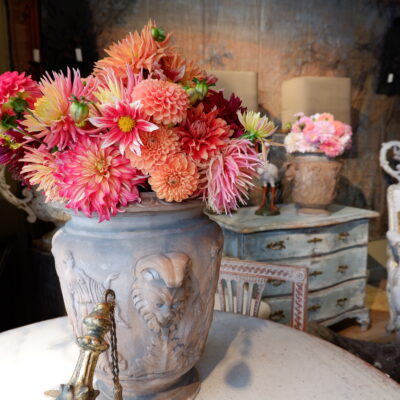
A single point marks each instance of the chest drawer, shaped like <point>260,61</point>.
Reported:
<point>324,271</point>
<point>282,244</point>
<point>323,304</point>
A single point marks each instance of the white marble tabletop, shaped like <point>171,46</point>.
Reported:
<point>245,358</point>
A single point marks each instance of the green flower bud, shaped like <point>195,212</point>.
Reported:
<point>18,104</point>
<point>193,95</point>
<point>201,89</point>
<point>158,34</point>
<point>79,111</point>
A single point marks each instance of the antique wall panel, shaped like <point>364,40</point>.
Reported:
<point>282,39</point>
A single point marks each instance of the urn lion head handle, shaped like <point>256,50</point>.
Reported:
<point>160,289</point>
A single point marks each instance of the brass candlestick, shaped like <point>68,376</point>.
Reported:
<point>96,325</point>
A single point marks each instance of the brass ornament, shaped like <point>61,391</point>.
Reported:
<point>96,325</point>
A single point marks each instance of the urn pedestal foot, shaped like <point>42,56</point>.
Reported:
<point>187,388</point>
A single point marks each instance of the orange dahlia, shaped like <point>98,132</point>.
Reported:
<point>39,169</point>
<point>155,148</point>
<point>176,179</point>
<point>137,50</point>
<point>165,102</point>
<point>204,134</point>
<point>178,69</point>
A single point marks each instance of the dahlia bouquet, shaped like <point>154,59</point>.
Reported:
<point>146,119</point>
<point>319,133</point>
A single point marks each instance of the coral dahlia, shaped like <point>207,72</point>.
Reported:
<point>165,102</point>
<point>96,179</point>
<point>156,147</point>
<point>124,122</point>
<point>203,134</point>
<point>137,50</point>
<point>13,84</point>
<point>51,114</point>
<point>176,179</point>
<point>40,169</point>
<point>229,176</point>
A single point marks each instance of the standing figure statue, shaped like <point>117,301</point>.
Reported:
<point>269,175</point>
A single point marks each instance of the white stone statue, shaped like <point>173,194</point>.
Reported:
<point>393,234</point>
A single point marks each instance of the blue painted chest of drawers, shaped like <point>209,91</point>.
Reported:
<point>333,247</point>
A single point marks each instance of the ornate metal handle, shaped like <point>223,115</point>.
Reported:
<point>23,204</point>
<point>276,245</point>
<point>315,307</point>
<point>315,273</point>
<point>341,302</point>
<point>277,316</point>
<point>314,240</point>
<point>343,235</point>
<point>275,282</point>
<point>342,268</point>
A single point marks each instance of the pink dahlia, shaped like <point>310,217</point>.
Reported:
<point>332,147</point>
<point>13,84</point>
<point>124,122</point>
<point>96,179</point>
<point>203,135</point>
<point>51,118</point>
<point>229,176</point>
<point>11,151</point>
<point>40,169</point>
<point>165,102</point>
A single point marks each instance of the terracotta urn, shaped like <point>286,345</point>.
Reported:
<point>162,260</point>
<point>314,180</point>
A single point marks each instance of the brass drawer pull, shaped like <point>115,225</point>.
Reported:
<point>275,282</point>
<point>314,240</point>
<point>315,307</point>
<point>341,302</point>
<point>342,268</point>
<point>343,235</point>
<point>277,316</point>
<point>315,273</point>
<point>276,245</point>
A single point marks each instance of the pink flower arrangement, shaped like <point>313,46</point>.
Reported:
<point>318,133</point>
<point>145,119</point>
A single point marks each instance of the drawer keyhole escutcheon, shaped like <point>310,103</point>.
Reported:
<point>276,245</point>
<point>315,307</point>
<point>341,302</point>
<point>342,268</point>
<point>315,273</point>
<point>314,240</point>
<point>343,235</point>
<point>275,282</point>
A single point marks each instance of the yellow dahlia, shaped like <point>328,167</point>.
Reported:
<point>175,180</point>
<point>156,147</point>
<point>256,127</point>
<point>137,50</point>
<point>165,102</point>
<point>39,169</point>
